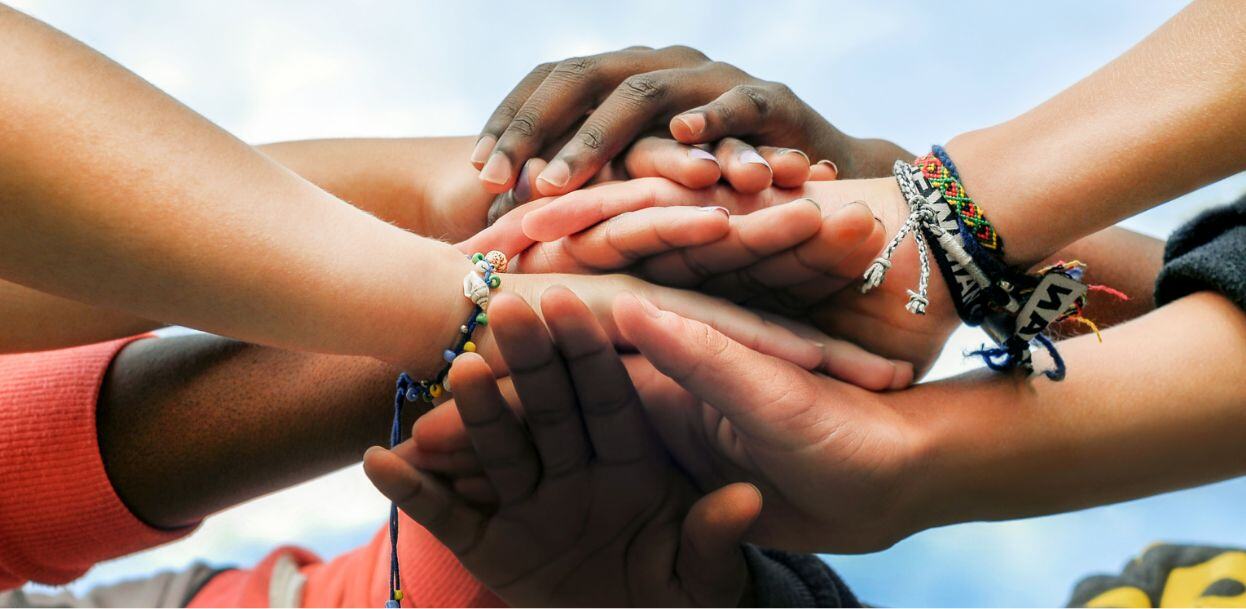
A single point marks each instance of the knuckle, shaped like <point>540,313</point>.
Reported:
<point>644,87</point>
<point>756,97</point>
<point>727,69</point>
<point>525,123</point>
<point>545,68</point>
<point>576,67</point>
<point>781,90</point>
<point>592,136</point>
<point>685,52</point>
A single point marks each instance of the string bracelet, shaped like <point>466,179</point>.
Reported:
<point>1014,308</point>
<point>477,284</point>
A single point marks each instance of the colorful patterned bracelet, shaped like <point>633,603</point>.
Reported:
<point>476,285</point>
<point>1015,309</point>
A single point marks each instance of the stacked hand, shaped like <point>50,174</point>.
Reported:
<point>587,508</point>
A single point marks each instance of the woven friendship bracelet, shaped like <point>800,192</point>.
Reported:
<point>1013,308</point>
<point>476,286</point>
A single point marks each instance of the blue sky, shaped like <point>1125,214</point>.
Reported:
<point>914,72</point>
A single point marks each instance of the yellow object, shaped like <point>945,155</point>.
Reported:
<point>397,595</point>
<point>469,347</point>
<point>435,390</point>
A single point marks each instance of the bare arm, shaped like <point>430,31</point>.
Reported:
<point>118,196</point>
<point>1134,424</point>
<point>191,425</point>
<point>1159,121</point>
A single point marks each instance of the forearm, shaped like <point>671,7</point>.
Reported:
<point>1130,424</point>
<point>33,321</point>
<point>118,196</point>
<point>1161,120</point>
<point>403,181</point>
<point>1122,260</point>
<point>194,424</point>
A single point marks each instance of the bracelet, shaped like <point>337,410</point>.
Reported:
<point>1013,308</point>
<point>476,286</point>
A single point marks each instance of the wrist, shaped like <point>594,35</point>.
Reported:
<point>953,450</point>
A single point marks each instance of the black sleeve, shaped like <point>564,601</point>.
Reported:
<point>783,579</point>
<point>1209,253</point>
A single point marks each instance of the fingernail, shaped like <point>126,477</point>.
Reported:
<point>497,170</point>
<point>751,156</point>
<point>695,123</point>
<point>483,147</point>
<point>789,150</point>
<point>832,165</point>
<point>523,187</point>
<point>556,174</point>
<point>716,208</point>
<point>702,155</point>
<point>648,307</point>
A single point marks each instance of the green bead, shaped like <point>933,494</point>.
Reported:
<point>482,319</point>
<point>495,281</point>
<point>477,257</point>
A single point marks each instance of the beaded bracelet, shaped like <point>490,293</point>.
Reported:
<point>1015,309</point>
<point>476,286</point>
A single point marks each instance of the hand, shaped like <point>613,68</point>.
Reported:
<point>834,462</point>
<point>589,509</point>
<point>636,89</point>
<point>746,168</point>
<point>817,282</point>
<point>803,346</point>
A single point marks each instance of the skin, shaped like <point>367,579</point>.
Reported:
<point>218,236</point>
<point>590,509</point>
<point>677,88</point>
<point>845,470</point>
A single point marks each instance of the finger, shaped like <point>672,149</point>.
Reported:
<point>455,524</point>
<point>665,158</point>
<point>627,238</point>
<point>617,121</point>
<point>824,171</point>
<point>455,464</point>
<point>790,166</point>
<point>441,430</point>
<point>541,380</point>
<point>741,325</point>
<point>742,166</point>
<point>761,395</point>
<point>837,275</point>
<point>506,235</point>
<point>559,101</point>
<point>581,209</point>
<point>747,109</point>
<point>710,563</point>
<point>476,489</point>
<point>506,455</point>
<point>624,239</point>
<point>836,237</point>
<point>752,238</point>
<point>520,194</point>
<point>608,402</point>
<point>505,112</point>
<point>849,363</point>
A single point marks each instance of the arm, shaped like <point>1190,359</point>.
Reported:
<point>1159,121</point>
<point>214,235</point>
<point>1002,448</point>
<point>981,446</point>
<point>191,425</point>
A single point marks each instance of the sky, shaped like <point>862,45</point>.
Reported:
<point>911,71</point>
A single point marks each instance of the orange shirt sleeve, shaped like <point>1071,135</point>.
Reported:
<point>59,514</point>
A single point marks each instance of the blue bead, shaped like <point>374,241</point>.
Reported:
<point>412,395</point>
<point>391,605</point>
<point>449,355</point>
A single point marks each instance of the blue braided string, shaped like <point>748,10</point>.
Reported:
<point>1058,373</point>
<point>404,385</point>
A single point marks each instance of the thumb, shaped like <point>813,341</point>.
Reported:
<point>765,397</point>
<point>710,563</point>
